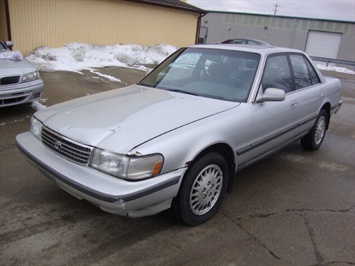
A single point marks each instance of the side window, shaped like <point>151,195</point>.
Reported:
<point>313,73</point>
<point>237,41</point>
<point>300,70</point>
<point>277,73</point>
<point>252,43</point>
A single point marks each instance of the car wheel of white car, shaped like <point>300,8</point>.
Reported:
<point>313,140</point>
<point>202,190</point>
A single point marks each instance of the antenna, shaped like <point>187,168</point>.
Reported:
<point>275,9</point>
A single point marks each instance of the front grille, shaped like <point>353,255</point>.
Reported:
<point>67,148</point>
<point>9,80</point>
<point>13,100</point>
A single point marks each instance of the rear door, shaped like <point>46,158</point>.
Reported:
<point>273,123</point>
<point>308,89</point>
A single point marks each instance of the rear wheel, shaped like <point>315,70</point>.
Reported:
<point>313,140</point>
<point>202,190</point>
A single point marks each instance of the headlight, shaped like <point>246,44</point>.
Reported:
<point>30,77</point>
<point>36,127</point>
<point>127,167</point>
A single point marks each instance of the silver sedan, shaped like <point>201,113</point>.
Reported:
<point>177,138</point>
<point>20,81</point>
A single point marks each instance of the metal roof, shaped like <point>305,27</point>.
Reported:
<point>176,4</point>
<point>279,16</point>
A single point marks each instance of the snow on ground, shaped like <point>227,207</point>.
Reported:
<point>79,56</point>
<point>336,69</point>
<point>105,76</point>
<point>38,104</point>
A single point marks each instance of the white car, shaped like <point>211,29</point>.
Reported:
<point>19,79</point>
<point>177,138</point>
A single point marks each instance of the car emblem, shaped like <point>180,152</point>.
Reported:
<point>58,145</point>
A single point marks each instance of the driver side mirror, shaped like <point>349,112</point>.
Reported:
<point>271,95</point>
<point>9,44</point>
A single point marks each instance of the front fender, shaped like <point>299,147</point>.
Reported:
<point>182,146</point>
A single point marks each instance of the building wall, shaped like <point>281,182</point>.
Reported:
<point>54,23</point>
<point>3,28</point>
<point>278,31</point>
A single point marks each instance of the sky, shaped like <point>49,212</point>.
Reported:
<point>323,9</point>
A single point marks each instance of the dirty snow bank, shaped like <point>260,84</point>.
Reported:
<point>79,56</point>
<point>336,69</point>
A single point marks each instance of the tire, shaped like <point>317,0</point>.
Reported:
<point>313,140</point>
<point>202,190</point>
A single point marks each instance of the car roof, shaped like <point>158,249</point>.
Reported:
<point>260,49</point>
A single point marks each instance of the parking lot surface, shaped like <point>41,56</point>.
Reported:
<point>294,208</point>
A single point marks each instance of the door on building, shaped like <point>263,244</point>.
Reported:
<point>323,44</point>
<point>203,34</point>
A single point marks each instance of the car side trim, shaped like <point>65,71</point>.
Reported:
<point>336,108</point>
<point>52,173</point>
<point>272,137</point>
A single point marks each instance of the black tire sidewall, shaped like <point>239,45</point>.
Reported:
<point>308,141</point>
<point>182,202</point>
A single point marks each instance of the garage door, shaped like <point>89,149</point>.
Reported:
<point>323,44</point>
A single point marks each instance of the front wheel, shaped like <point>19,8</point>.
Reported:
<point>313,140</point>
<point>202,190</point>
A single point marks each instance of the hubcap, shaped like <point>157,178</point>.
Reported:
<point>320,130</point>
<point>206,189</point>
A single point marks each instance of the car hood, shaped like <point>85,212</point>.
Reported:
<point>122,119</point>
<point>15,67</point>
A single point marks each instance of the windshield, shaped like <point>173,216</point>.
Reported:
<point>213,73</point>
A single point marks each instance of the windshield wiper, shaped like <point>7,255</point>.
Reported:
<point>181,91</point>
<point>147,85</point>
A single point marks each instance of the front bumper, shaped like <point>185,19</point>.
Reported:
<point>20,93</point>
<point>111,194</point>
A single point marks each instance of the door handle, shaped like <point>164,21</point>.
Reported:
<point>293,103</point>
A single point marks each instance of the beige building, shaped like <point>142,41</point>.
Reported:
<point>54,23</point>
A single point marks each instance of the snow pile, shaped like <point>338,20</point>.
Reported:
<point>38,104</point>
<point>79,56</point>
<point>336,69</point>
